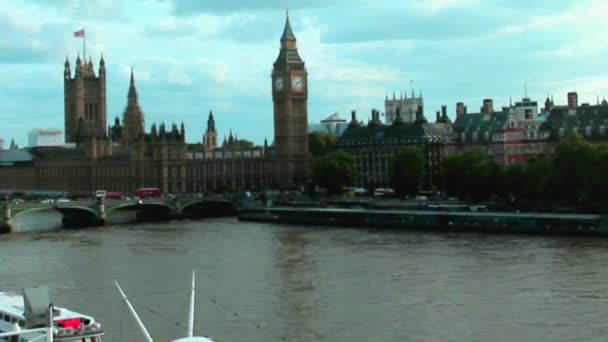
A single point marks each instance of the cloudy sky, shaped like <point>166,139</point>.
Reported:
<point>192,56</point>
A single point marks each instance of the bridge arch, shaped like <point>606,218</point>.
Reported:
<point>203,208</point>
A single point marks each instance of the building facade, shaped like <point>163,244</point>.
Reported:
<point>124,157</point>
<point>44,137</point>
<point>407,106</point>
<point>84,99</point>
<point>374,145</point>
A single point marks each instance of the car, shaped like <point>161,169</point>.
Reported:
<point>17,201</point>
<point>63,200</point>
<point>47,201</point>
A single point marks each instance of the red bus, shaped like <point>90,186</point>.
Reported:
<point>115,195</point>
<point>148,193</point>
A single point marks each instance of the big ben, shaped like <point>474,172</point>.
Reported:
<point>290,96</point>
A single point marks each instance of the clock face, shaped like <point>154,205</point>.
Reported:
<point>297,84</point>
<point>279,83</point>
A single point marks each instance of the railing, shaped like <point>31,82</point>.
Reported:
<point>46,336</point>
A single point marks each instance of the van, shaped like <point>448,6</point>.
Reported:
<point>100,193</point>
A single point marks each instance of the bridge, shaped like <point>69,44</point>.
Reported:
<point>85,213</point>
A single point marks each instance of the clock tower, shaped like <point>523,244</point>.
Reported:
<point>290,98</point>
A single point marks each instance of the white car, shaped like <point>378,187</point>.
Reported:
<point>63,200</point>
<point>47,201</point>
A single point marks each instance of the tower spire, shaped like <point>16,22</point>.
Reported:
<point>132,97</point>
<point>287,32</point>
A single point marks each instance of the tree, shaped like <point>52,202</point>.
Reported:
<point>334,171</point>
<point>471,175</point>
<point>245,144</point>
<point>407,170</point>
<point>320,143</point>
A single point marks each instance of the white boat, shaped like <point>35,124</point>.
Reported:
<point>27,316</point>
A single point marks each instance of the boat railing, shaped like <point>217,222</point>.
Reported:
<point>47,334</point>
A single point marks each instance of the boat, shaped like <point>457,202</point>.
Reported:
<point>28,316</point>
<point>190,332</point>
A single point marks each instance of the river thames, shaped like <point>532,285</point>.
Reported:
<point>319,283</point>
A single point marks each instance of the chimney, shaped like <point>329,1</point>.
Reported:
<point>488,106</point>
<point>572,99</point>
<point>438,117</point>
<point>444,111</point>
<point>353,115</point>
<point>460,109</point>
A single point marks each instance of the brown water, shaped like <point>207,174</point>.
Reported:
<point>320,283</point>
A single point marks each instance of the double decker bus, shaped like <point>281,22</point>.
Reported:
<point>148,193</point>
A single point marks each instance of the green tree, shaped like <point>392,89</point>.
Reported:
<point>245,144</point>
<point>334,171</point>
<point>471,175</point>
<point>407,170</point>
<point>320,143</point>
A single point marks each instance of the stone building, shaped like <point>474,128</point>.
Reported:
<point>84,98</point>
<point>290,98</point>
<point>124,157</point>
<point>374,145</point>
<point>407,107</point>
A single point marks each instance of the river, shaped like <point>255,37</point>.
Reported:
<point>263,282</point>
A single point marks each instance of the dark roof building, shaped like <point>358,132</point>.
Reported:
<point>374,145</point>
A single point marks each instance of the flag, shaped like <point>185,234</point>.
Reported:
<point>79,33</point>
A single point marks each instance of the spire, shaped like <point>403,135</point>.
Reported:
<point>67,62</point>
<point>287,32</point>
<point>132,97</point>
<point>413,96</point>
<point>102,62</point>
<point>210,123</point>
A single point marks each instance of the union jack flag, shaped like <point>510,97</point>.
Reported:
<point>79,33</point>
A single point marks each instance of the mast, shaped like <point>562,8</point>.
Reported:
<point>191,314</point>
<point>135,315</point>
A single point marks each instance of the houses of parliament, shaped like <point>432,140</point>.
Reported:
<point>124,157</point>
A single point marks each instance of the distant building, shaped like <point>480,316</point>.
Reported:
<point>373,147</point>
<point>332,124</point>
<point>591,122</point>
<point>510,136</point>
<point>45,137</point>
<point>409,107</point>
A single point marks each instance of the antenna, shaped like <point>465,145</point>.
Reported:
<point>135,315</point>
<point>191,314</point>
<point>526,90</point>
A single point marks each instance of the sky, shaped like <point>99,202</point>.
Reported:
<point>193,56</point>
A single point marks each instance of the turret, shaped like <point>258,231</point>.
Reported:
<point>78,66</point>
<point>67,72</point>
<point>182,132</point>
<point>102,67</point>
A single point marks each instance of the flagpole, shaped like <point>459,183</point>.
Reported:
<point>84,44</point>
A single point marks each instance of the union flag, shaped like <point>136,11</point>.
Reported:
<point>79,33</point>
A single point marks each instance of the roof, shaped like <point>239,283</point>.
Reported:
<point>9,157</point>
<point>403,134</point>
<point>581,119</point>
<point>480,123</point>
<point>287,32</point>
<point>11,302</point>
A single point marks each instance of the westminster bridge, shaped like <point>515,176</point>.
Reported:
<point>85,213</point>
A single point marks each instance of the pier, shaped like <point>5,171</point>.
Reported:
<point>490,222</point>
